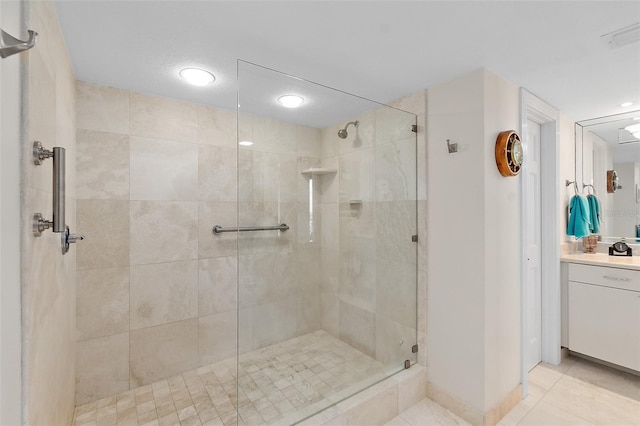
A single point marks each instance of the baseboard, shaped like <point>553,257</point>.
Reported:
<point>492,417</point>
<point>454,405</point>
<point>470,414</point>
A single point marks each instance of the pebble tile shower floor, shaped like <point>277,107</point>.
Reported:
<point>276,385</point>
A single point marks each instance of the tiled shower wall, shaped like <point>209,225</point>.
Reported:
<point>369,262</point>
<point>48,277</point>
<point>156,292</point>
<point>156,289</point>
<point>279,271</point>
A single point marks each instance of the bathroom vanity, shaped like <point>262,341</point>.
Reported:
<point>601,307</point>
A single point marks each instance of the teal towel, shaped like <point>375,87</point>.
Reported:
<point>594,213</point>
<point>579,222</point>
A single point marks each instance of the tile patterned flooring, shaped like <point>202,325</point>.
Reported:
<point>577,392</point>
<point>283,383</point>
<point>279,384</point>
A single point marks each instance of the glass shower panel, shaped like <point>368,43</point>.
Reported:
<point>326,263</point>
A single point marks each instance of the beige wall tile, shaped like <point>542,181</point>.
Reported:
<point>376,410</point>
<point>102,165</point>
<point>356,177</point>
<point>217,173</point>
<point>163,118</point>
<point>102,367</point>
<point>273,136</point>
<point>395,170</point>
<point>42,122</point>
<point>102,303</point>
<point>357,328</point>
<point>394,242</point>
<point>217,283</point>
<point>217,126</point>
<point>308,314</point>
<point>163,351</point>
<point>105,224</point>
<point>217,337</point>
<point>163,231</point>
<point>163,293</point>
<point>163,170</point>
<point>274,322</point>
<point>396,290</point>
<point>393,342</point>
<point>308,140</point>
<point>394,125</point>
<point>216,245</point>
<point>102,108</point>
<point>272,276</point>
<point>412,387</point>
<point>47,278</point>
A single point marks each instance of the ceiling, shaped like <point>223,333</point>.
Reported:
<point>379,50</point>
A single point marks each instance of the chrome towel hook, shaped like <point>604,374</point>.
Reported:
<point>9,45</point>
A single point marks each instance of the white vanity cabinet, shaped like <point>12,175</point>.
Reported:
<point>604,313</point>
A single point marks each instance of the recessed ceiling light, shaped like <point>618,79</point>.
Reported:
<point>196,76</point>
<point>626,104</point>
<point>634,128</point>
<point>291,101</point>
<point>245,143</point>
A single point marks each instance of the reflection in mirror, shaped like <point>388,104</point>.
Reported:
<point>612,143</point>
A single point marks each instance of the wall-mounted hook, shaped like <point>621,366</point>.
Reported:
<point>9,45</point>
<point>452,147</point>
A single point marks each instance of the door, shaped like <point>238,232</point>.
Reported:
<point>532,244</point>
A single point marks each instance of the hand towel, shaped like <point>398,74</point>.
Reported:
<point>594,213</point>
<point>579,221</point>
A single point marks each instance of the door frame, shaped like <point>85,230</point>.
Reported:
<point>535,109</point>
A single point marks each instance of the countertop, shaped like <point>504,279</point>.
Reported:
<point>601,259</point>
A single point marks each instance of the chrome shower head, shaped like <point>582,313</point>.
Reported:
<point>342,133</point>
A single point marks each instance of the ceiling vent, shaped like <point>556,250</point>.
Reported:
<point>623,36</point>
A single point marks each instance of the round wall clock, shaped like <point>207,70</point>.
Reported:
<point>509,153</point>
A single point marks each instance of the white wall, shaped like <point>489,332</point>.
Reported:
<point>502,248</point>
<point>10,336</point>
<point>473,311</point>
<point>567,163</point>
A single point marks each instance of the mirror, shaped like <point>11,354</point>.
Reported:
<point>604,145</point>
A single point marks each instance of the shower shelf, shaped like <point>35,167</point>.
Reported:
<point>319,171</point>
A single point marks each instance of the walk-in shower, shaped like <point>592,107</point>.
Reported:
<point>239,283</point>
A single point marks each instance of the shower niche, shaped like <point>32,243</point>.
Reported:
<point>328,307</point>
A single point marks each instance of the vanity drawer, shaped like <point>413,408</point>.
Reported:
<point>626,279</point>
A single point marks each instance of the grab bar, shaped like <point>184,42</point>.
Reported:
<point>58,220</point>
<point>219,229</point>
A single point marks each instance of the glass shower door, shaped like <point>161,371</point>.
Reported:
<point>326,263</point>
